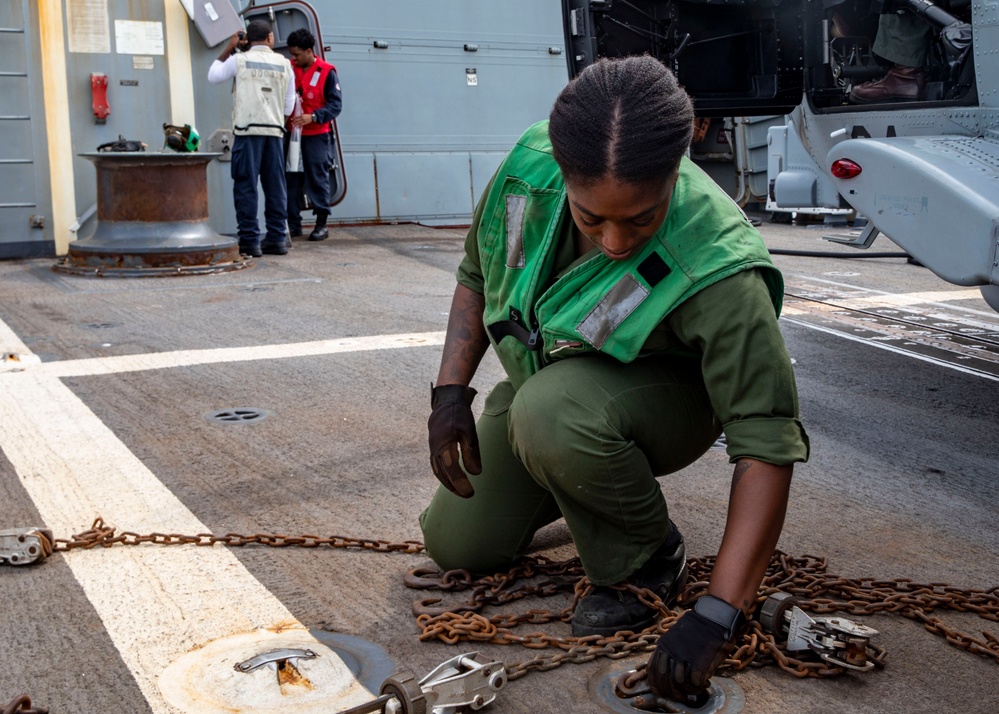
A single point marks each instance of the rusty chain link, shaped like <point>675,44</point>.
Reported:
<point>805,577</point>
<point>22,705</point>
<point>101,534</point>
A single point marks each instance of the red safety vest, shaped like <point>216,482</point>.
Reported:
<point>311,83</point>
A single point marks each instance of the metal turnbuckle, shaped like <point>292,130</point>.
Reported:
<point>468,681</point>
<point>835,640</point>
<point>21,546</point>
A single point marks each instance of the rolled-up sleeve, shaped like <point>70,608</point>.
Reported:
<point>469,271</point>
<point>746,368</point>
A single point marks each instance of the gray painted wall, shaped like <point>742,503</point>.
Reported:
<point>419,141</point>
<point>24,174</point>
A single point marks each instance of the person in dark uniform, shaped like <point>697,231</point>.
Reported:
<point>904,40</point>
<point>263,98</point>
<point>317,83</point>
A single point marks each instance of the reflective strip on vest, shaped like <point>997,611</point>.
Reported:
<point>596,303</point>
<point>515,206</point>
<point>266,66</point>
<point>619,302</point>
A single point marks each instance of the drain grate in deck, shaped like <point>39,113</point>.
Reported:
<point>238,415</point>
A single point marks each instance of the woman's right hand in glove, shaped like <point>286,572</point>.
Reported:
<point>452,426</point>
<point>689,652</point>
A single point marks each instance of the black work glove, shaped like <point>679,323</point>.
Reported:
<point>451,425</point>
<point>688,654</point>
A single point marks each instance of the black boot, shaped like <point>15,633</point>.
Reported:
<point>320,232</point>
<point>275,248</point>
<point>606,611</point>
<point>250,249</point>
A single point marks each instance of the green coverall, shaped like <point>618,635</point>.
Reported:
<point>586,436</point>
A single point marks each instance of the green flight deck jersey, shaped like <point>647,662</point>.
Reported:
<point>598,304</point>
<point>542,303</point>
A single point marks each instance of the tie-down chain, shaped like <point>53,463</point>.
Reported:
<point>791,586</point>
<point>467,681</point>
<point>22,705</point>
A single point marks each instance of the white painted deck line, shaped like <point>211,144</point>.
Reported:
<point>159,603</point>
<point>908,299</point>
<point>156,603</point>
<point>185,358</point>
<point>917,298</point>
<point>890,348</point>
<point>10,342</point>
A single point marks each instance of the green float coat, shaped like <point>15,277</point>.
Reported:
<point>600,304</point>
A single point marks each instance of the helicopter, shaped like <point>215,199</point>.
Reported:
<point>923,172</point>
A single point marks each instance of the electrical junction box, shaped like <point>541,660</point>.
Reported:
<point>216,20</point>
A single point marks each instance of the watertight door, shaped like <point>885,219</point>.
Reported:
<point>734,58</point>
<point>285,18</point>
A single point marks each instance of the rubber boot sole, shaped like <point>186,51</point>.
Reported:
<point>583,630</point>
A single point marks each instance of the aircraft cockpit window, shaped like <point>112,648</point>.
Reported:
<point>895,51</point>
<point>759,57</point>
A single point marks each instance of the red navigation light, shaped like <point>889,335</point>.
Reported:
<point>845,169</point>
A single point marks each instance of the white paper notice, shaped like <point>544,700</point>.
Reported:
<point>138,38</point>
<point>89,31</point>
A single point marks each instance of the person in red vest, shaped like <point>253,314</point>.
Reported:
<point>317,83</point>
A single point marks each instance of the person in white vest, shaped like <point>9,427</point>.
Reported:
<point>263,97</point>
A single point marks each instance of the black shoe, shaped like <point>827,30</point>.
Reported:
<point>295,233</point>
<point>320,232</point>
<point>274,248</point>
<point>606,611</point>
<point>251,249</point>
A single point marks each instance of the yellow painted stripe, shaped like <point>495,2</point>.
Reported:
<point>57,122</point>
<point>179,68</point>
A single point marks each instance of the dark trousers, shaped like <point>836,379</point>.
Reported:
<point>584,438</point>
<point>316,179</point>
<point>905,38</point>
<point>259,158</point>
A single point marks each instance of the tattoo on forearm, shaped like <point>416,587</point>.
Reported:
<point>467,352</point>
<point>740,469</point>
<point>466,340</point>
